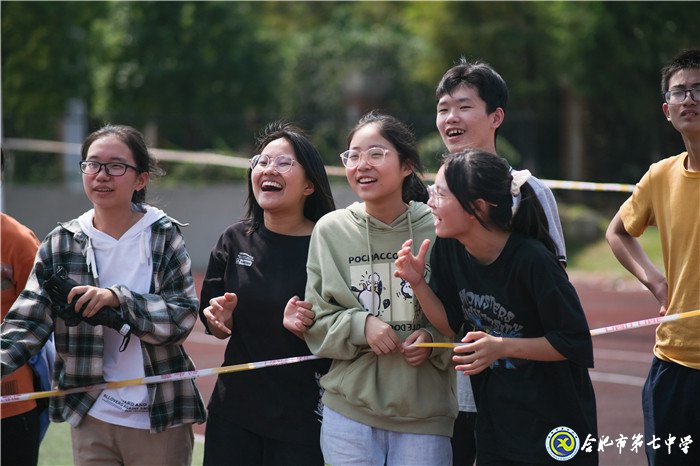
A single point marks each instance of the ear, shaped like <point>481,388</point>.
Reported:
<point>309,188</point>
<point>141,181</point>
<point>664,107</point>
<point>497,118</point>
<point>481,208</point>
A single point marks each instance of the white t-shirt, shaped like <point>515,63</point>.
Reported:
<point>126,261</point>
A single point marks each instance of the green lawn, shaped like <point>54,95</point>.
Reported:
<point>597,258</point>
<point>56,448</point>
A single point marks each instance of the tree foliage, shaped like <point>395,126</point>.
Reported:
<point>209,75</point>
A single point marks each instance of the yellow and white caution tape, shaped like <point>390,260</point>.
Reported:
<point>157,378</point>
<point>644,323</point>
<point>597,331</point>
<point>588,186</point>
<point>281,362</point>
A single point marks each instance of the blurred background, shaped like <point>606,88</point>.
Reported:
<point>205,77</point>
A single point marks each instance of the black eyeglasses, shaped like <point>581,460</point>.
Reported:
<point>282,163</point>
<point>677,96</point>
<point>111,168</point>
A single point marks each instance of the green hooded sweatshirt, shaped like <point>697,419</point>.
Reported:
<point>350,275</point>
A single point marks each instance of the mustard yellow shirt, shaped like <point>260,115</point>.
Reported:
<point>668,196</point>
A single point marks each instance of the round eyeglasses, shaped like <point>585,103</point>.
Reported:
<point>373,156</point>
<point>435,195</point>
<point>90,167</point>
<point>282,163</point>
<point>678,96</point>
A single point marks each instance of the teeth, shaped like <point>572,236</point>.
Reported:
<point>455,132</point>
<point>365,180</point>
<point>271,186</point>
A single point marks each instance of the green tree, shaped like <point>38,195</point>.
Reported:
<point>353,61</point>
<point>200,72</point>
<point>45,61</point>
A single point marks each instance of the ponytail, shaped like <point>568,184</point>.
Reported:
<point>531,220</point>
<point>413,189</point>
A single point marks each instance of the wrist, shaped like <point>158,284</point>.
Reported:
<point>419,285</point>
<point>114,303</point>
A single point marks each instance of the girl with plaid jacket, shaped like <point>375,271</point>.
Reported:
<point>131,257</point>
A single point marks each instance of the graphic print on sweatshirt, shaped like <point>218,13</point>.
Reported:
<point>244,259</point>
<point>382,294</point>
<point>485,313</point>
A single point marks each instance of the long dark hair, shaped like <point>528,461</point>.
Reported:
<point>402,138</point>
<point>320,202</point>
<point>134,140</point>
<point>476,174</point>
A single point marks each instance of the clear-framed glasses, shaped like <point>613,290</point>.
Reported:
<point>677,96</point>
<point>282,163</point>
<point>374,156</point>
<point>90,167</point>
<point>435,195</point>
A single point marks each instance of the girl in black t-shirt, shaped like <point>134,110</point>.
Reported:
<point>527,345</point>
<point>258,266</point>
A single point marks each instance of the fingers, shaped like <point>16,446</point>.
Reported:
<point>298,315</point>
<point>220,310</point>
<point>473,368</point>
<point>227,302</point>
<point>416,356</point>
<point>419,336</point>
<point>90,299</point>
<point>215,322</point>
<point>423,249</point>
<point>381,338</point>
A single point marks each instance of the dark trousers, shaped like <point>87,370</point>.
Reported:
<point>20,439</point>
<point>671,403</point>
<point>464,440</point>
<point>226,443</point>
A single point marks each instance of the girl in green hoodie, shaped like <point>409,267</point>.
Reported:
<point>386,401</point>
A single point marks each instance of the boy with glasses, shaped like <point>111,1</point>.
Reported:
<point>471,102</point>
<point>667,196</point>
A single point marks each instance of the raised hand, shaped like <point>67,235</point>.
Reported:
<point>409,267</point>
<point>219,314</point>
<point>298,316</point>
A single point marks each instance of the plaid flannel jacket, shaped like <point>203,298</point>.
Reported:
<point>162,319</point>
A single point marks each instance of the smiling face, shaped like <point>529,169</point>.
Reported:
<point>685,117</point>
<point>381,184</point>
<point>450,219</point>
<point>463,121</point>
<point>280,192</point>
<point>107,192</point>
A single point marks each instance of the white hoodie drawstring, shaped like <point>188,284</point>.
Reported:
<point>90,259</point>
<point>144,249</point>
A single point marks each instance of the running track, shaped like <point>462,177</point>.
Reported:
<point>621,361</point>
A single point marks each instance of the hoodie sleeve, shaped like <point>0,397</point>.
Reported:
<point>338,331</point>
<point>166,315</point>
